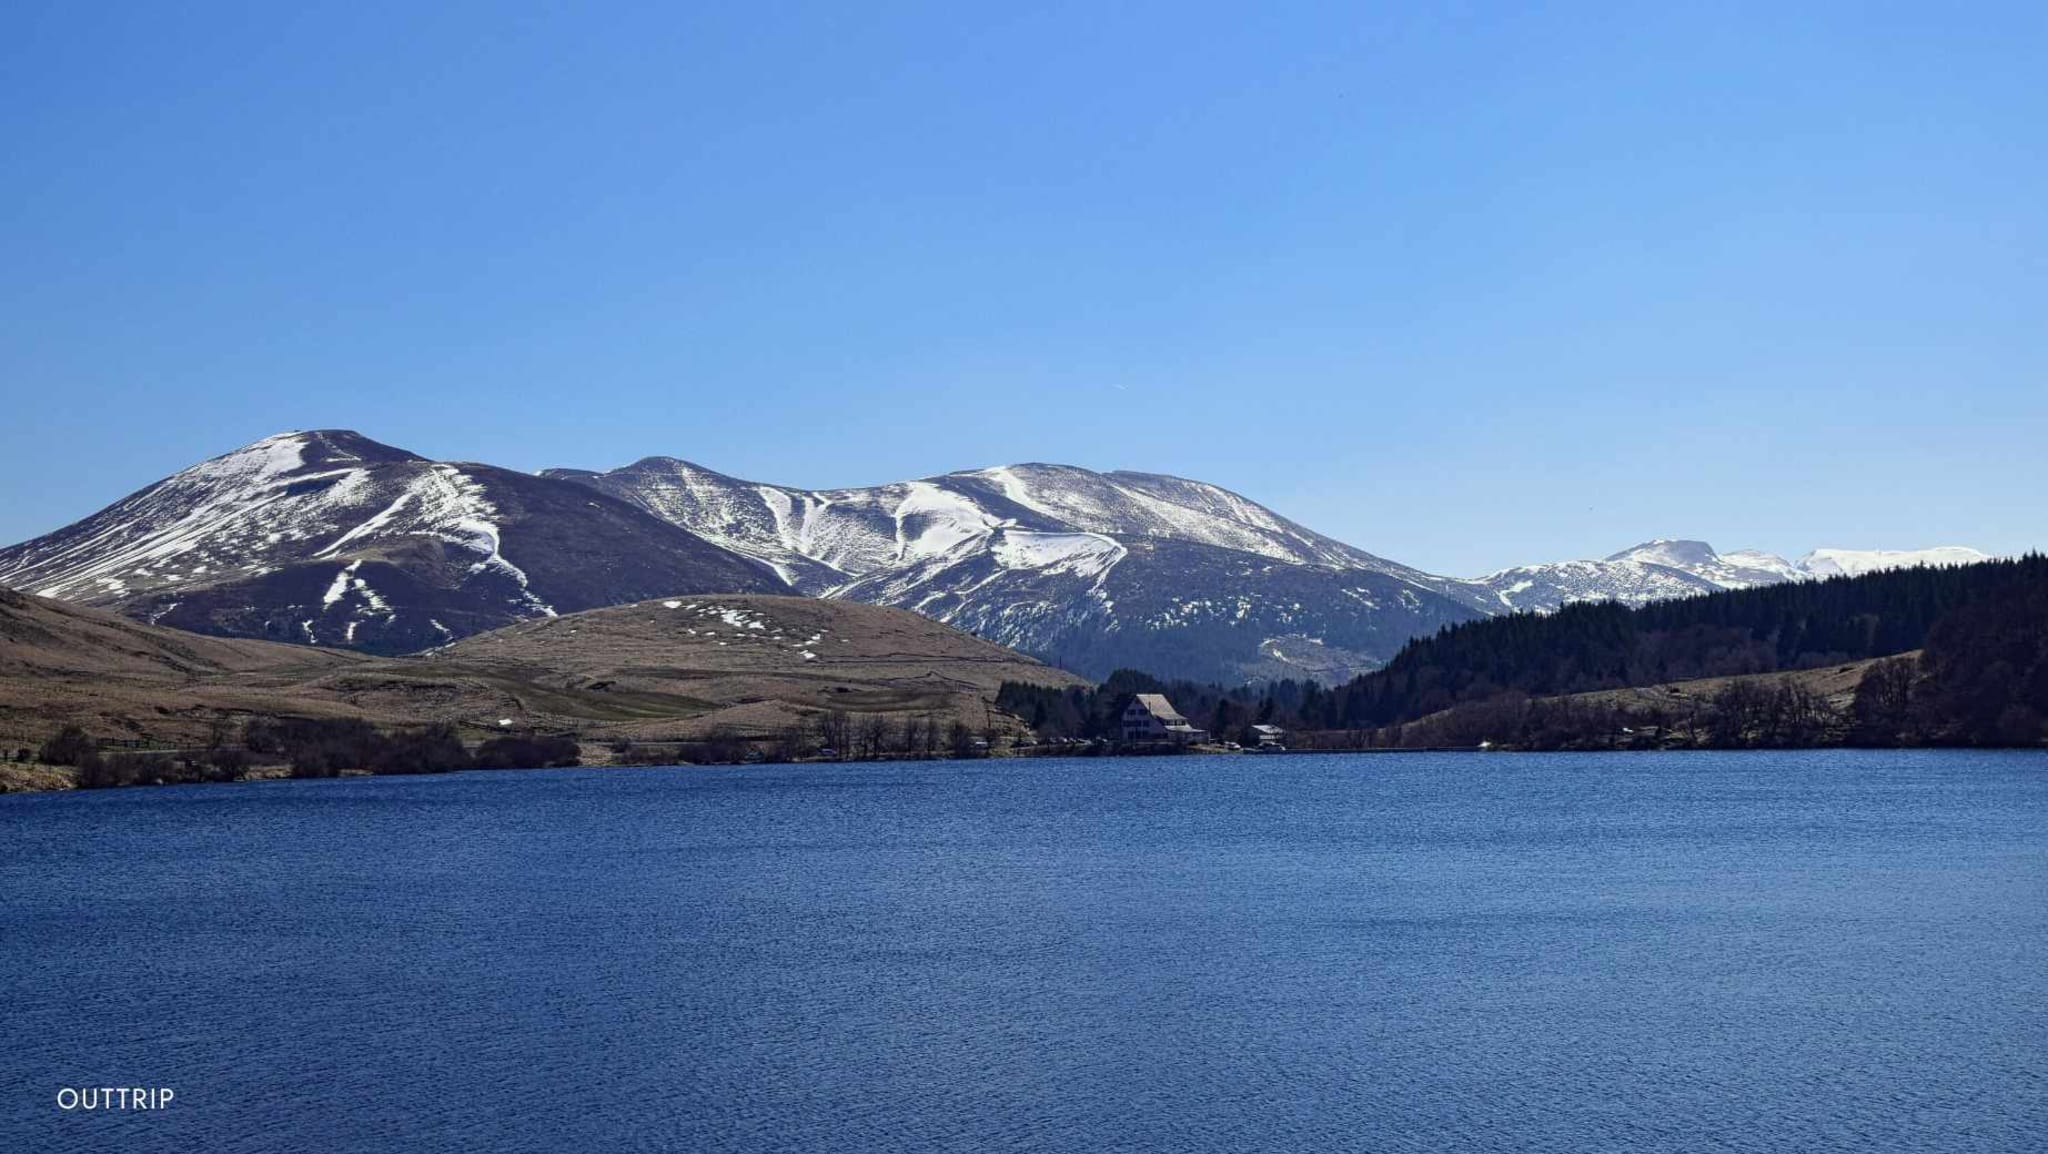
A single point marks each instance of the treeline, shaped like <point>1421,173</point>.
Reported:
<point>1090,713</point>
<point>1587,647</point>
<point>310,747</point>
<point>1744,714</point>
<point>324,747</point>
<point>101,769</point>
<point>829,735</point>
<point>1981,678</point>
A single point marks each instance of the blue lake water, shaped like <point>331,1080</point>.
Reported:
<point>1686,952</point>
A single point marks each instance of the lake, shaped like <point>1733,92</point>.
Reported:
<point>1832,951</point>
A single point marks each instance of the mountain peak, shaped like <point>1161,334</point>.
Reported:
<point>1675,552</point>
<point>302,448</point>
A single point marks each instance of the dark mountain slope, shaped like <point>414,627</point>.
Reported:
<point>330,538</point>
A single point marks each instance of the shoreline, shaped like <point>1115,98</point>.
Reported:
<point>34,778</point>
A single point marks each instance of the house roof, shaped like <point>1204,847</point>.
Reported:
<point>1271,729</point>
<point>1157,705</point>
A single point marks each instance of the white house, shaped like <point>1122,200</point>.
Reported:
<point>1150,717</point>
<point>1269,736</point>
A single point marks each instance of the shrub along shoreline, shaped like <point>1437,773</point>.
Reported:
<point>287,747</point>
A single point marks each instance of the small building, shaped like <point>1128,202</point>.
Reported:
<point>1269,736</point>
<point>1150,717</point>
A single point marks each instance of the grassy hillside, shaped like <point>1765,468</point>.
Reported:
<point>745,662</point>
<point>749,665</point>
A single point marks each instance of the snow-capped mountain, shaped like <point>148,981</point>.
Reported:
<point>1743,569</point>
<point>821,538</point>
<point>1544,587</point>
<point>1090,570</point>
<point>331,538</point>
<point>1854,562</point>
<point>1662,569</point>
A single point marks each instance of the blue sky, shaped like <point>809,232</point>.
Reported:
<point>1466,285</point>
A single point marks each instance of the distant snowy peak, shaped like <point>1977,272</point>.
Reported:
<point>1767,568</point>
<point>1545,587</point>
<point>1739,570</point>
<point>1678,554</point>
<point>1853,562</point>
<point>1662,569</point>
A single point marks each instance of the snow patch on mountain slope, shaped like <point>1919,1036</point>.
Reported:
<point>935,522</point>
<point>460,511</point>
<point>339,588</point>
<point>223,515</point>
<point>445,502</point>
<point>1155,505</point>
<point>1764,568</point>
<point>812,540</point>
<point>1079,554</point>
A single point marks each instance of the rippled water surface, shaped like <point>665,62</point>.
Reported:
<point>1742,952</point>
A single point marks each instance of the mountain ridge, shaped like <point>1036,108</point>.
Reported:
<point>328,537</point>
<point>1663,568</point>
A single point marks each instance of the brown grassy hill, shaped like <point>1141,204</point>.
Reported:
<point>668,668</point>
<point>1833,684</point>
<point>746,661</point>
<point>68,664</point>
<point>1682,713</point>
<point>42,637</point>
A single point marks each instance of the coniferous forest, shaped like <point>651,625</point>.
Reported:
<point>1797,625</point>
<point>1969,647</point>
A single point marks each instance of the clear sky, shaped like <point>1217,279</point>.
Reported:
<point>1466,285</point>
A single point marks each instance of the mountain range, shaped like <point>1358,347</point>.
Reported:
<point>329,538</point>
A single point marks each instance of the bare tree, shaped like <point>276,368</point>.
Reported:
<point>722,746</point>
<point>874,735</point>
<point>1884,702</point>
<point>835,733</point>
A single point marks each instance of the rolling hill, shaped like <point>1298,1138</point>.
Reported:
<point>665,668</point>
